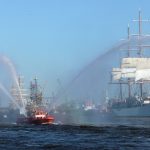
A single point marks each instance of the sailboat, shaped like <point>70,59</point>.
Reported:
<point>133,72</point>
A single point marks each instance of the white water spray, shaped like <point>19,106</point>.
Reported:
<point>5,60</point>
<point>8,94</point>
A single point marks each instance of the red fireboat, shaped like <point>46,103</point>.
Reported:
<point>35,110</point>
<point>39,117</point>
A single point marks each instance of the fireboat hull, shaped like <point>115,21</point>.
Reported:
<point>36,121</point>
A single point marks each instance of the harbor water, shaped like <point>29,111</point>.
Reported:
<point>112,136</point>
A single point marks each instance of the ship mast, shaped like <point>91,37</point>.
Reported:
<point>140,48</point>
<point>36,93</point>
<point>121,97</point>
<point>128,40</point>
<point>129,81</point>
<point>140,23</point>
<point>140,45</point>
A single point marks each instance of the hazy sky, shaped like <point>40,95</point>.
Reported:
<point>57,38</point>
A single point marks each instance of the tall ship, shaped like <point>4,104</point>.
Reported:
<point>18,98</point>
<point>133,75</point>
<point>19,94</point>
<point>35,107</point>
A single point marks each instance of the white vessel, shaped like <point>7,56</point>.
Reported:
<point>134,75</point>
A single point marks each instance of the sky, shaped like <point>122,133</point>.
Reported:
<point>56,39</point>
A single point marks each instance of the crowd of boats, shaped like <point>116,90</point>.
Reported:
<point>133,72</point>
<point>34,108</point>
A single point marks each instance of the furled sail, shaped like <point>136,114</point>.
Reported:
<point>119,73</point>
<point>116,73</point>
<point>128,72</point>
<point>129,62</point>
<point>136,68</point>
<point>141,63</point>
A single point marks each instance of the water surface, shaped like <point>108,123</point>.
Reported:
<point>68,137</point>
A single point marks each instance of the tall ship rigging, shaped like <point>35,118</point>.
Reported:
<point>20,95</point>
<point>133,74</point>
